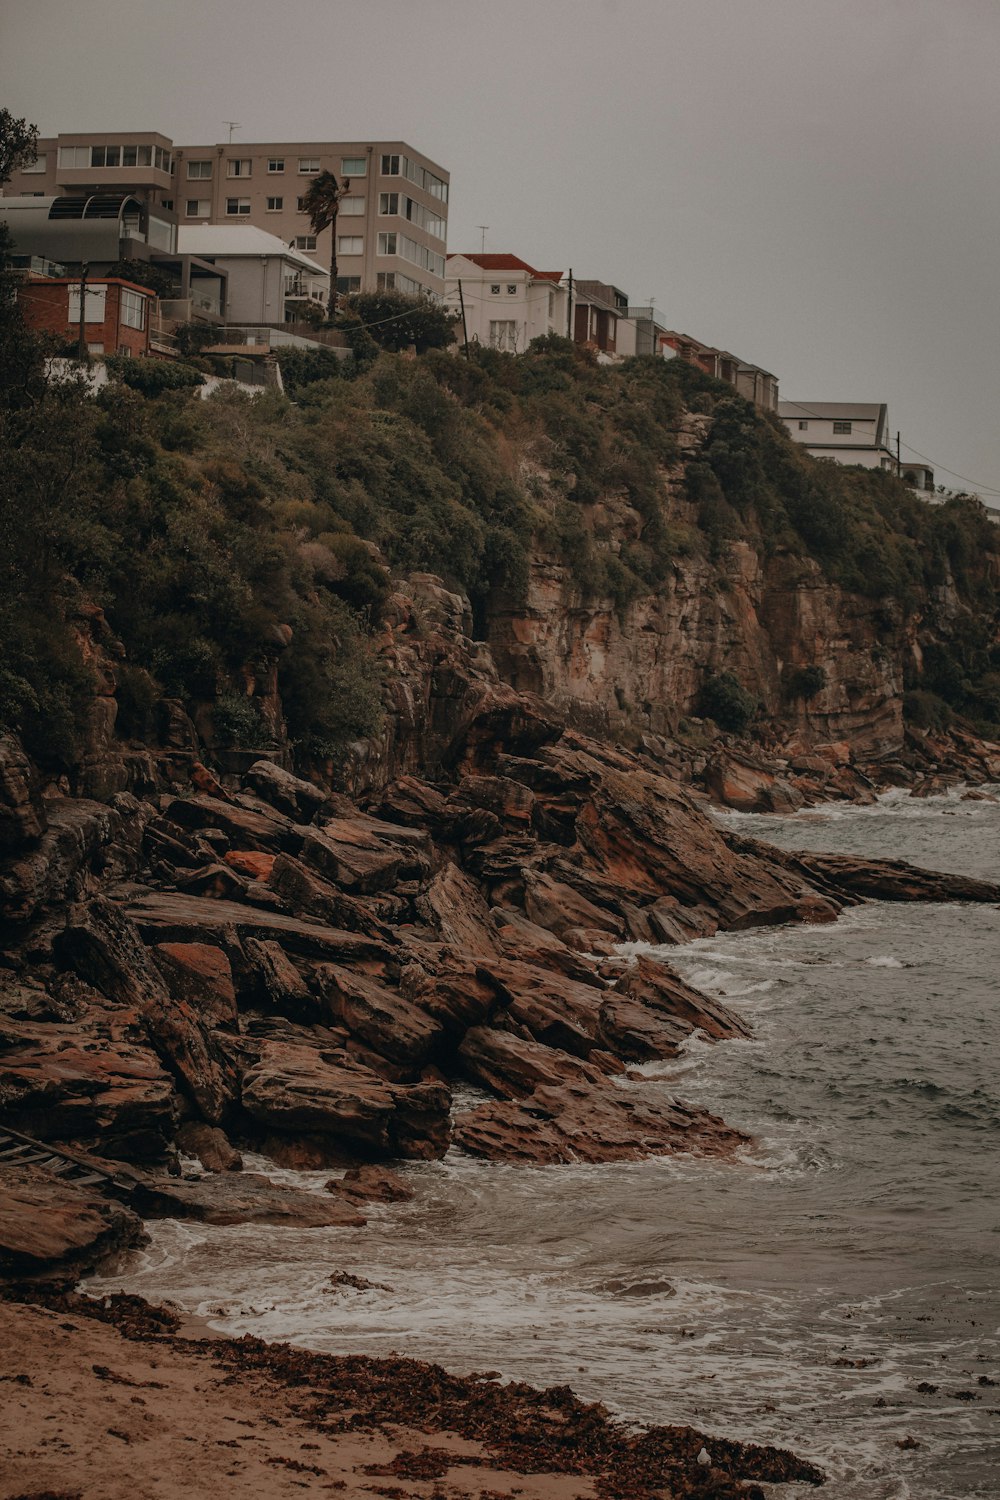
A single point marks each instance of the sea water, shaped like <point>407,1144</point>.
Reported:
<point>836,1291</point>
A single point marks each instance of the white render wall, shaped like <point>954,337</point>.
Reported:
<point>534,307</point>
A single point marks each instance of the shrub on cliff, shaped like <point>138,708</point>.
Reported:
<point>724,699</point>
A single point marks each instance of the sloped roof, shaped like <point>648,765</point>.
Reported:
<point>240,239</point>
<point>836,411</point>
<point>488,261</point>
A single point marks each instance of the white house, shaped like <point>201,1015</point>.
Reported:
<point>268,281</point>
<point>852,432</point>
<point>507,302</point>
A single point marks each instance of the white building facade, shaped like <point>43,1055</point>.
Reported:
<point>507,302</point>
<point>851,432</point>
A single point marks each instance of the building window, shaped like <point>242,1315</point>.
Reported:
<point>348,284</point>
<point>38,165</point>
<point>803,426</point>
<point>198,208</point>
<point>105,156</point>
<point>350,244</point>
<point>199,169</point>
<point>353,166</point>
<point>133,309</point>
<point>495,288</point>
<point>167,203</point>
<point>239,166</point>
<point>275,205</point>
<point>275,164</point>
<point>304,242</point>
<point>841,427</point>
<point>386,244</point>
<point>237,206</point>
<point>385,281</point>
<point>300,206</point>
<point>74,156</point>
<point>503,335</point>
<point>96,296</point>
<point>388,203</point>
<point>390,166</point>
<point>308,164</point>
<point>351,208</point>
<point>512,289</point>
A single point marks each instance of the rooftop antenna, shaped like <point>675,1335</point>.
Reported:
<point>233,125</point>
<point>483,228</point>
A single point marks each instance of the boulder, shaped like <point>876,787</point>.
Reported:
<point>241,1198</point>
<point>22,813</point>
<point>250,862</point>
<point>384,1019</point>
<point>262,829</point>
<point>210,1145</point>
<point>555,1011</point>
<point>371,1184</point>
<point>308,894</point>
<point>269,981</point>
<point>667,995</point>
<point>297,1088</point>
<point>513,1066</point>
<point>55,1230</point>
<point>297,799</point>
<point>454,906</point>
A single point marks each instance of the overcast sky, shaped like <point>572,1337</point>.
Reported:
<point>811,184</point>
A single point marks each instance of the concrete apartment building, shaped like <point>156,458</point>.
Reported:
<point>393,218</point>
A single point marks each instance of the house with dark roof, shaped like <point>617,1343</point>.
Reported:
<point>852,432</point>
<point>506,302</point>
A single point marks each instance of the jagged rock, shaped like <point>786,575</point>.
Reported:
<point>218,880</point>
<point>201,974</point>
<point>241,1198</point>
<point>455,991</point>
<point>269,981</point>
<point>103,946</point>
<point>56,1230</point>
<point>384,1019</point>
<point>264,830</point>
<point>61,1083</point>
<point>737,783</point>
<point>454,906</point>
<point>210,1145</point>
<point>630,1030</point>
<point>371,1184</point>
<point>294,1088</point>
<point>584,1123</point>
<point>889,879</point>
<point>305,892</point>
<point>60,864</point>
<point>251,863</point>
<point>165,917</point>
<point>663,992</point>
<point>514,1066</point>
<point>556,1011</point>
<point>511,802</point>
<point>527,942</point>
<point>297,799</point>
<point>412,802</point>
<point>364,855</point>
<point>22,814</point>
<point>567,913</point>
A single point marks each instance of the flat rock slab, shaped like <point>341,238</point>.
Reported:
<point>241,1198</point>
<point>584,1123</point>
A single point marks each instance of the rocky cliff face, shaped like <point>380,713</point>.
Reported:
<point>642,666</point>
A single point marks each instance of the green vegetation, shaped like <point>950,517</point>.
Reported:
<point>241,539</point>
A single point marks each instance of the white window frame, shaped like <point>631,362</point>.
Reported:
<point>843,429</point>
<point>350,244</point>
<point>240,211</point>
<point>304,242</point>
<point>387,243</point>
<point>275,164</point>
<point>353,166</point>
<point>195,173</point>
<point>351,208</point>
<point>133,309</point>
<point>274,205</point>
<point>38,165</point>
<point>198,208</point>
<point>235,166</point>
<point>308,166</point>
<point>96,304</point>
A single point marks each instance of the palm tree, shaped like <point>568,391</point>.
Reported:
<point>321,203</point>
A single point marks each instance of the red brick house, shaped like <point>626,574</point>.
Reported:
<point>116,316</point>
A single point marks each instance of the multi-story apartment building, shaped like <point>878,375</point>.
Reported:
<point>391,227</point>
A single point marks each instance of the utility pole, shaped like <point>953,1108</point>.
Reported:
<point>569,310</point>
<point>899,460</point>
<point>82,352</point>
<point>465,327</point>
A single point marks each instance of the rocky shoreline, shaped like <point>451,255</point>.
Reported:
<point>209,962</point>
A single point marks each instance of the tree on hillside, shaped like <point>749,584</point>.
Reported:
<point>321,202</point>
<point>396,320</point>
<point>18,145</point>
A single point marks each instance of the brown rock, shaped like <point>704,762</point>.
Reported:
<point>665,994</point>
<point>201,974</point>
<point>210,1145</point>
<point>583,1123</point>
<point>371,1184</point>
<point>269,981</point>
<point>241,1198</point>
<point>513,1067</point>
<point>298,1088</point>
<point>250,862</point>
<point>383,1019</point>
<point>207,783</point>
<point>453,904</point>
<point>262,828</point>
<point>297,799</point>
<point>307,893</point>
<point>58,1230</point>
<point>22,814</point>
